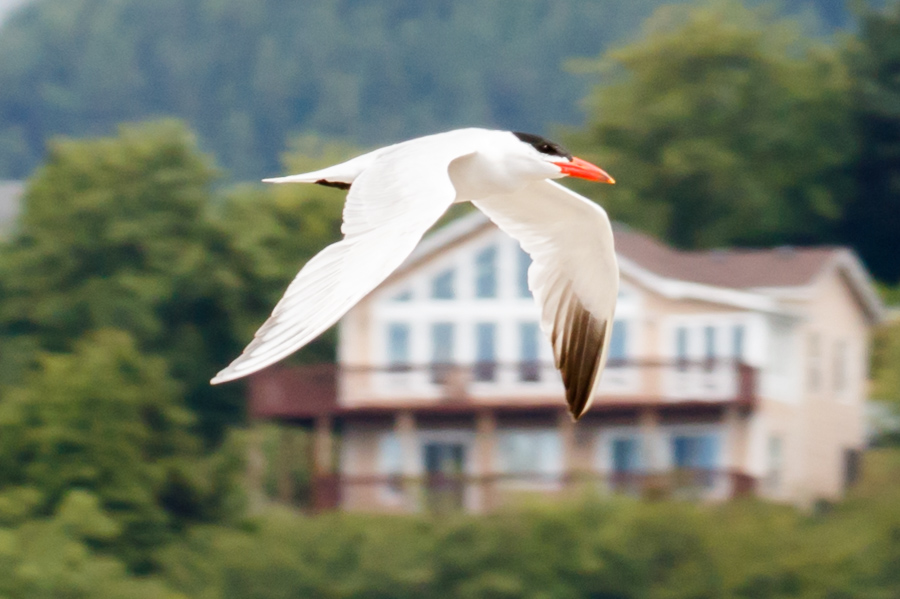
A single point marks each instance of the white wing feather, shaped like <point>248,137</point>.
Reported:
<point>390,205</point>
<point>574,276</point>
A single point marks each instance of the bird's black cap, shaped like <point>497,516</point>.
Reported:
<point>544,145</point>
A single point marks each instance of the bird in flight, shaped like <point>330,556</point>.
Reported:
<point>395,194</point>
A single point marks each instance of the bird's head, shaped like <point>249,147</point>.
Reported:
<point>568,165</point>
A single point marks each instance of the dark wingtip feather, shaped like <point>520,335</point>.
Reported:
<point>582,347</point>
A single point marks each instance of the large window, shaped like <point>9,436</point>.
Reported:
<point>737,343</point>
<point>618,345</point>
<point>529,352</point>
<point>524,261</point>
<point>390,463</point>
<point>626,455</point>
<point>398,335</point>
<point>485,351</point>
<point>840,366</point>
<point>442,350</point>
<point>530,452</point>
<point>486,273</point>
<point>681,347</point>
<point>695,452</point>
<point>814,357</point>
<point>709,346</point>
<point>443,285</point>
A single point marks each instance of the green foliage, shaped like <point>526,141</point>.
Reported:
<point>52,557</point>
<point>723,125</point>
<point>115,233</point>
<point>591,547</point>
<point>873,218</point>
<point>106,419</point>
<point>247,75</point>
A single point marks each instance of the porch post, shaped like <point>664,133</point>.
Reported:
<point>648,421</point>
<point>405,429</point>
<point>325,483</point>
<point>735,449</point>
<point>485,448</point>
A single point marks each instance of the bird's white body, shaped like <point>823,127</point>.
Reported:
<point>398,192</point>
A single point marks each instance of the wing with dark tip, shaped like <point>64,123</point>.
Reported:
<point>574,277</point>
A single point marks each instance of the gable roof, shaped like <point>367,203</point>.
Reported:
<point>734,268</point>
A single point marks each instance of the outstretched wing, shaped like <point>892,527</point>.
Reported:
<point>574,276</point>
<point>390,205</point>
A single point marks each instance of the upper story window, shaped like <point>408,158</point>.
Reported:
<point>398,335</point>
<point>403,296</point>
<point>737,343</point>
<point>709,346</point>
<point>529,352</point>
<point>840,366</point>
<point>443,286</point>
<point>524,262</point>
<point>485,351</point>
<point>618,344</point>
<point>814,357</point>
<point>443,337</point>
<point>681,346</point>
<point>486,273</point>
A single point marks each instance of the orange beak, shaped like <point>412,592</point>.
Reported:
<point>584,170</point>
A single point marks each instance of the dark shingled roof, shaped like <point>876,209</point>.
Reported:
<point>735,268</point>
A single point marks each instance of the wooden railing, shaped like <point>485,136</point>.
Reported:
<point>305,392</point>
<point>443,492</point>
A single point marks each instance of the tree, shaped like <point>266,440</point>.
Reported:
<point>247,75</point>
<point>874,217</point>
<point>107,420</point>
<point>723,125</point>
<point>115,233</point>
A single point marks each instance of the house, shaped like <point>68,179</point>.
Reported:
<point>730,372</point>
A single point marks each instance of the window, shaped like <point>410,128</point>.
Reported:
<point>626,455</point>
<point>403,296</point>
<point>618,344</point>
<point>398,345</point>
<point>442,350</point>
<point>737,343</point>
<point>529,451</point>
<point>529,352</point>
<point>814,374</point>
<point>840,366</point>
<point>485,351</point>
<point>390,463</point>
<point>695,452</point>
<point>443,285</point>
<point>486,273</point>
<point>390,454</point>
<point>681,347</point>
<point>709,345</point>
<point>524,262</point>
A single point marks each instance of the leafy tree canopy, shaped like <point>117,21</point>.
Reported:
<point>873,219</point>
<point>248,75</point>
<point>723,125</point>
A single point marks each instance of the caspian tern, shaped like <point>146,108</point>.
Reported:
<point>398,192</point>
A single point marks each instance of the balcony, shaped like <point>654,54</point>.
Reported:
<point>307,392</point>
